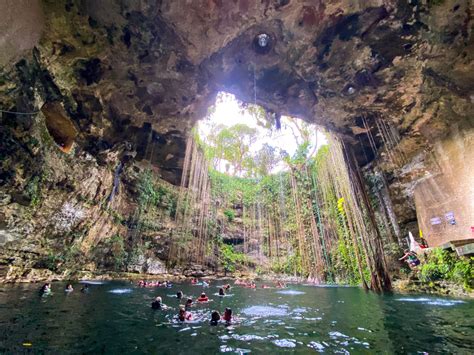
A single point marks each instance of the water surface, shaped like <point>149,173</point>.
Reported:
<point>115,317</point>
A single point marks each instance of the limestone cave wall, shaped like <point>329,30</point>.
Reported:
<point>113,83</point>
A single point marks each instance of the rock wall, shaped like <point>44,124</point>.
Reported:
<point>444,196</point>
<point>127,81</point>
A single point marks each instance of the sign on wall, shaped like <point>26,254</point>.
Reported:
<point>435,221</point>
<point>450,218</point>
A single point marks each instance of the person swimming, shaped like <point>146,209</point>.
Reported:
<point>179,295</point>
<point>157,304</point>
<point>189,304</point>
<point>227,315</point>
<point>221,292</point>
<point>203,298</point>
<point>183,315</point>
<point>227,287</point>
<point>85,288</point>
<point>68,288</point>
<point>46,289</point>
<point>194,281</point>
<point>215,317</point>
<point>205,284</point>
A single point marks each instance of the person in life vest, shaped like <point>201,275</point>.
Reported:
<point>227,315</point>
<point>203,298</point>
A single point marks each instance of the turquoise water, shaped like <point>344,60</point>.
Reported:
<point>116,317</point>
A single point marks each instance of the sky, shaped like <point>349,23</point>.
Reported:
<point>228,112</point>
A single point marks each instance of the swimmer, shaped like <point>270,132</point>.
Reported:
<point>205,284</point>
<point>227,287</point>
<point>203,298</point>
<point>227,315</point>
<point>179,295</point>
<point>215,318</point>
<point>69,288</point>
<point>46,289</point>
<point>189,304</point>
<point>183,315</point>
<point>85,288</point>
<point>157,304</point>
<point>194,281</point>
<point>221,292</point>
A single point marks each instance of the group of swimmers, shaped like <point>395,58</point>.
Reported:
<point>46,289</point>
<point>251,284</point>
<point>143,283</point>
<point>195,281</point>
<point>185,314</point>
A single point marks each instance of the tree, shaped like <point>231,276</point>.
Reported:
<point>231,144</point>
<point>265,160</point>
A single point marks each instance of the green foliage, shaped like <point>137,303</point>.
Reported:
<point>230,214</point>
<point>231,144</point>
<point>117,249</point>
<point>152,193</point>
<point>446,265</point>
<point>288,265</point>
<point>33,190</point>
<point>229,258</point>
<point>52,261</point>
<point>435,2</point>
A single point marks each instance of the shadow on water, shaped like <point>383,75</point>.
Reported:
<point>116,317</point>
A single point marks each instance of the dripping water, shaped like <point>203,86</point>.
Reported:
<point>116,183</point>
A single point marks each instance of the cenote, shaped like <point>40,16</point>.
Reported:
<point>116,317</point>
<point>327,144</point>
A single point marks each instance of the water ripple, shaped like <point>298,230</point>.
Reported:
<point>265,311</point>
<point>431,301</point>
<point>291,292</point>
<point>119,291</point>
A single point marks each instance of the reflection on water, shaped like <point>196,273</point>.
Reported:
<point>90,282</point>
<point>291,292</point>
<point>432,301</point>
<point>119,291</point>
<point>116,317</point>
<point>265,311</point>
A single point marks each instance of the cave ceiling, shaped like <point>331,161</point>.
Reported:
<point>125,68</point>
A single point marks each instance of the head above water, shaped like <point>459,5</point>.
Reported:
<point>189,300</point>
<point>215,316</point>
<point>203,294</point>
<point>158,299</point>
